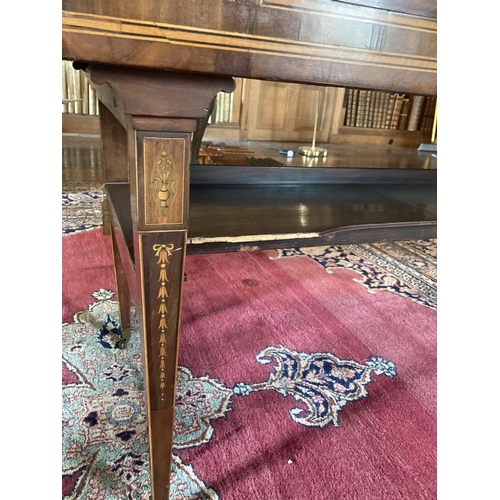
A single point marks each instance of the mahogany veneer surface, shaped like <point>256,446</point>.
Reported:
<point>375,44</point>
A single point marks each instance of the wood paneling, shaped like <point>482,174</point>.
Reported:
<point>286,112</point>
<point>80,124</point>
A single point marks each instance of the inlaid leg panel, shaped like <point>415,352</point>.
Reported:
<point>160,274</point>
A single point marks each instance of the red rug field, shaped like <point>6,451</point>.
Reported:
<point>304,374</point>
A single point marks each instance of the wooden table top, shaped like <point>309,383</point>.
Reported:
<point>373,44</point>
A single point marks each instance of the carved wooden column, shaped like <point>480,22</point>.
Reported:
<point>148,160</point>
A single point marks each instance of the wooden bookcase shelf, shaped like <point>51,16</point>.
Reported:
<point>373,136</point>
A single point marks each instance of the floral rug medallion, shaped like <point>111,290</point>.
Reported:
<point>105,450</point>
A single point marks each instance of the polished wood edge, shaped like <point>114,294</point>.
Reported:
<point>361,233</point>
<point>114,137</point>
<point>384,226</point>
<point>253,175</point>
<point>343,236</point>
<point>313,8</point>
<point>251,56</point>
<point>243,42</point>
<point>160,456</point>
<point>156,93</point>
<point>106,223</point>
<point>147,123</point>
<point>122,290</point>
<point>354,11</point>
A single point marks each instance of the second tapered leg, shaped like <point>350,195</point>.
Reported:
<point>123,292</point>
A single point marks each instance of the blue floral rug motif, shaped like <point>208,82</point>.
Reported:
<point>323,382</point>
<point>81,210</point>
<point>104,426</point>
<point>105,451</point>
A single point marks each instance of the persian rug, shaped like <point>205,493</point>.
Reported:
<point>407,268</point>
<point>303,373</point>
<point>81,209</point>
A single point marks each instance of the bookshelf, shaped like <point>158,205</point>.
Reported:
<point>277,111</point>
<point>80,110</point>
<point>386,110</point>
<point>373,117</point>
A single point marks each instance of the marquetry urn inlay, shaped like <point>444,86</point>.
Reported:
<point>163,181</point>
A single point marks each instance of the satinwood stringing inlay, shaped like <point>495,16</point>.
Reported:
<point>163,252</point>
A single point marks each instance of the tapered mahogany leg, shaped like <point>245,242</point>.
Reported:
<point>114,155</point>
<point>123,292</point>
<point>159,165</point>
<point>114,147</point>
<point>160,279</point>
<point>157,111</point>
<point>116,170</point>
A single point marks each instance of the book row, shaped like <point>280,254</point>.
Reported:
<point>386,110</point>
<point>77,95</point>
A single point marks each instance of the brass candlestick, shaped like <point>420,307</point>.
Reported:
<point>312,151</point>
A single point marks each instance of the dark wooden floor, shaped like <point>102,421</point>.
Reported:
<point>348,198</point>
<point>81,160</point>
<point>82,163</point>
